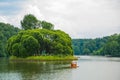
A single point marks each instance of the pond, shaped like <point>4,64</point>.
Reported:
<point>90,68</point>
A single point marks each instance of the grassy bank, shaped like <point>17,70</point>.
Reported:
<point>44,58</point>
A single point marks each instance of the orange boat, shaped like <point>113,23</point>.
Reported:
<point>74,65</point>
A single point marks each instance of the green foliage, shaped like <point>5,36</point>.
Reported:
<point>109,46</point>
<point>112,47</point>
<point>29,22</point>
<point>45,58</point>
<point>47,25</point>
<point>39,42</point>
<point>86,51</point>
<point>88,46</point>
<point>6,31</point>
<point>31,45</point>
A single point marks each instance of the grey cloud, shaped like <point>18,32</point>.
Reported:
<point>79,18</point>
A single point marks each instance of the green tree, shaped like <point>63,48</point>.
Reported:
<point>76,50</point>
<point>86,51</point>
<point>40,41</point>
<point>6,31</point>
<point>29,22</point>
<point>15,49</point>
<point>93,46</point>
<point>31,45</point>
<point>47,25</point>
<point>112,47</point>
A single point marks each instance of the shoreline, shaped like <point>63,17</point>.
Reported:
<point>44,58</point>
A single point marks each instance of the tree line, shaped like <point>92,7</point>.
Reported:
<point>106,46</point>
<point>6,31</point>
<point>112,47</point>
<point>39,38</point>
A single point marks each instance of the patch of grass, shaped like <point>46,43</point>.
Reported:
<point>45,58</point>
<point>15,58</point>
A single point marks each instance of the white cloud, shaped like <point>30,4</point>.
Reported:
<point>3,19</point>
<point>32,9</point>
<point>15,19</point>
<point>79,18</point>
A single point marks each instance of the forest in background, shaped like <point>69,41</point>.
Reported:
<point>106,46</point>
<point>6,31</point>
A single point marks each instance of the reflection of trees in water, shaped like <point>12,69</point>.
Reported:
<point>4,64</point>
<point>30,69</point>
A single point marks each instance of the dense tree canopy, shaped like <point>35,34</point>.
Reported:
<point>38,38</point>
<point>112,47</point>
<point>39,42</point>
<point>47,25</point>
<point>31,22</point>
<point>6,31</point>
<point>88,46</point>
<point>109,45</point>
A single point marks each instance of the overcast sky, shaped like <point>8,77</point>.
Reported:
<point>78,18</point>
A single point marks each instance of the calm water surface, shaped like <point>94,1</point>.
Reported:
<point>90,68</point>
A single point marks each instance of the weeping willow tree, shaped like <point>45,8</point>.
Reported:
<point>38,42</point>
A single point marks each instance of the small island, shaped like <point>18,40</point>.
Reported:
<point>39,41</point>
